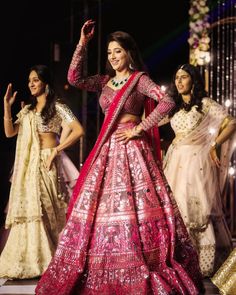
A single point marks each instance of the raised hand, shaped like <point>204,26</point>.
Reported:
<point>87,31</point>
<point>9,97</point>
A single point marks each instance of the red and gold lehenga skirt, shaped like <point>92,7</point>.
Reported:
<point>125,234</point>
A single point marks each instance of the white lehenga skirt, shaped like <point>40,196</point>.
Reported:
<point>31,245</point>
<point>193,182</point>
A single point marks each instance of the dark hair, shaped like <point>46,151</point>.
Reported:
<point>49,109</point>
<point>198,90</point>
<point>129,45</point>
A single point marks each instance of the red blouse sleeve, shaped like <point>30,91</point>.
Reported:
<point>75,73</point>
<point>165,103</point>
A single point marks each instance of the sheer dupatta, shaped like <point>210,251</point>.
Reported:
<point>26,171</point>
<point>212,179</point>
<point>107,126</point>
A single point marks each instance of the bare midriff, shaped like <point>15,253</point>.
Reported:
<point>48,140</point>
<point>124,118</point>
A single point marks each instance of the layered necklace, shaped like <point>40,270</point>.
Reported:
<point>117,83</point>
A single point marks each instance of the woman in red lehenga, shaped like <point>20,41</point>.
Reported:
<point>124,233</point>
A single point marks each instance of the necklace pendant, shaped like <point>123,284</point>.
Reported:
<point>117,83</point>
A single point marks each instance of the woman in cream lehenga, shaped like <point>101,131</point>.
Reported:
<point>68,171</point>
<point>196,165</point>
<point>38,196</point>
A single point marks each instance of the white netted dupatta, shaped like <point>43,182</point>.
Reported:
<point>24,201</point>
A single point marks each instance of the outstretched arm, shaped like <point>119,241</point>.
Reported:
<point>75,74</point>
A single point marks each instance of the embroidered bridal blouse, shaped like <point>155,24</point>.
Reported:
<point>135,102</point>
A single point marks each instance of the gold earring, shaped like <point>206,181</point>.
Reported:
<point>192,89</point>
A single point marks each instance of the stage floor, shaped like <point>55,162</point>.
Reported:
<point>24,287</point>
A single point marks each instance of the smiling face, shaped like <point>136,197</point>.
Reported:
<point>183,82</point>
<point>36,86</point>
<point>117,56</point>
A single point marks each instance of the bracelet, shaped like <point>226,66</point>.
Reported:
<point>214,145</point>
<point>7,119</point>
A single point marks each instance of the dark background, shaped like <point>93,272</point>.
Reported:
<point>29,31</point>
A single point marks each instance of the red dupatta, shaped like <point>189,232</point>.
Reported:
<point>109,121</point>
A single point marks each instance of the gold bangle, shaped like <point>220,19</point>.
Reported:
<point>7,119</point>
<point>215,145</point>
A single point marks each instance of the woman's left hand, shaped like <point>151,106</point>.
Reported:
<point>50,159</point>
<point>214,157</point>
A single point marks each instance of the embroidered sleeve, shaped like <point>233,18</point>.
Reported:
<point>65,113</point>
<point>165,103</point>
<point>75,73</point>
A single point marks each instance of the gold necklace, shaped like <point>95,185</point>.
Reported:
<point>118,83</point>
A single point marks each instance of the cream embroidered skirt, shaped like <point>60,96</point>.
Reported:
<point>31,245</point>
<point>196,192</point>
